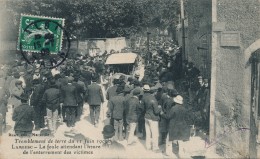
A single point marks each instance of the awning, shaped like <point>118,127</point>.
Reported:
<point>121,58</point>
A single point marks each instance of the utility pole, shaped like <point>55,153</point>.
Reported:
<point>183,30</point>
<point>148,47</point>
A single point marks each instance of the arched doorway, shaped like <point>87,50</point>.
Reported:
<point>252,92</point>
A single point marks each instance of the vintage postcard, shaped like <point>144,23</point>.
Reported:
<point>129,79</point>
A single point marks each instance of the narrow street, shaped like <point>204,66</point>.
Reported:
<point>83,130</point>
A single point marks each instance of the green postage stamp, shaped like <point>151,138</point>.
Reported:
<point>40,34</point>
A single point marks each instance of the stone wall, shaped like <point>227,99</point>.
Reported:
<point>232,99</point>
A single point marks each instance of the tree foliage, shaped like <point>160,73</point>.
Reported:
<point>101,18</point>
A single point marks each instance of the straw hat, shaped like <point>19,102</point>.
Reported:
<point>178,99</point>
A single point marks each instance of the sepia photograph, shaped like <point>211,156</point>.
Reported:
<point>135,79</point>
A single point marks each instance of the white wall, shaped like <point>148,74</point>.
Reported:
<point>94,47</point>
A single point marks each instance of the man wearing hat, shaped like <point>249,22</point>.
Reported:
<point>116,110</point>
<point>122,80</point>
<point>127,91</point>
<point>192,74</point>
<point>23,116</point>
<point>36,103</point>
<point>197,94</point>
<point>137,85</point>
<point>132,110</point>
<point>111,91</point>
<point>87,75</point>
<point>205,106</point>
<point>141,121</point>
<point>150,107</point>
<point>110,144</point>
<point>51,102</point>
<point>15,93</point>
<point>81,90</point>
<point>179,129</point>
<point>166,103</point>
<point>28,77</point>
<point>95,99</point>
<point>127,95</point>
<point>99,65</point>
<point>70,101</point>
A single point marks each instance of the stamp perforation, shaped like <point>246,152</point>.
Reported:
<point>42,17</point>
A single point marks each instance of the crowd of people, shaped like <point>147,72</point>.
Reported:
<point>155,108</point>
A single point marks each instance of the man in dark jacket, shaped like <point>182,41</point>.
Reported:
<point>87,75</point>
<point>205,106</point>
<point>179,129</point>
<point>63,81</point>
<point>166,106</point>
<point>99,66</point>
<point>116,110</point>
<point>81,89</point>
<point>141,121</point>
<point>23,116</point>
<point>69,100</point>
<point>94,99</point>
<point>127,95</point>
<point>37,105</point>
<point>132,106</point>
<point>52,99</point>
<point>150,106</point>
<point>111,91</point>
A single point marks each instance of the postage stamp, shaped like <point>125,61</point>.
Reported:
<point>41,40</point>
<point>40,34</point>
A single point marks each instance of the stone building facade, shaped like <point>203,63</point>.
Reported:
<point>236,28</point>
<point>223,40</point>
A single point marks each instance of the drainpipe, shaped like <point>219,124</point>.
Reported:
<point>212,128</point>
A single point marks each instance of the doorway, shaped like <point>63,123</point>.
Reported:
<point>255,101</point>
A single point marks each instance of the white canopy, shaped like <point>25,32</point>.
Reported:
<point>121,58</point>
